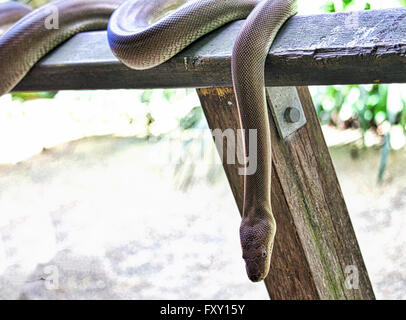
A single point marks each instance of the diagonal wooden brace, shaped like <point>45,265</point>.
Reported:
<point>316,254</point>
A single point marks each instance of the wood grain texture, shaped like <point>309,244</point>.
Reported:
<point>315,240</point>
<point>309,50</point>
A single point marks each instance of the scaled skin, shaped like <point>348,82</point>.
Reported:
<point>257,234</point>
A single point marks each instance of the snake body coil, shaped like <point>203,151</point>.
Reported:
<point>146,33</point>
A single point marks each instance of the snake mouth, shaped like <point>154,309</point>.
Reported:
<point>254,273</point>
<point>255,277</point>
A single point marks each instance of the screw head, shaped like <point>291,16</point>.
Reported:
<point>292,115</point>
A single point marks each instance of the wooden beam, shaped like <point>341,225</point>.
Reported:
<point>315,241</point>
<point>339,48</point>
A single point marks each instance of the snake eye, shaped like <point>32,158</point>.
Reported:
<point>264,254</point>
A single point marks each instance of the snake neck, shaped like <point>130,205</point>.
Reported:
<point>255,211</point>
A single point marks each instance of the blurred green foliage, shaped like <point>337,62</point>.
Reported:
<point>359,106</point>
<point>26,96</point>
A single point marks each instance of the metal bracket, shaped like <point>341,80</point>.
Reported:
<point>287,110</point>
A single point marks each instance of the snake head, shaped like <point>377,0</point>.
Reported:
<point>257,238</point>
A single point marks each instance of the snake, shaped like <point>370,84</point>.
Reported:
<point>143,34</point>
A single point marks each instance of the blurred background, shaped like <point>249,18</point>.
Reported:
<point>120,193</point>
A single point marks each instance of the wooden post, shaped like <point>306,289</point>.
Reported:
<point>315,250</point>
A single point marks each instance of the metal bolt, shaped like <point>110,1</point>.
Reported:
<point>292,115</point>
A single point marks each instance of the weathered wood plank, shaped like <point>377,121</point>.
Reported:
<point>309,50</point>
<point>315,241</point>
